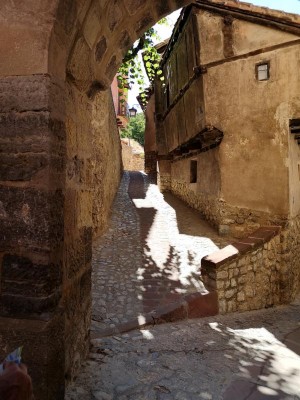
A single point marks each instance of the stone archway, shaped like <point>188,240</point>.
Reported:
<point>58,155</point>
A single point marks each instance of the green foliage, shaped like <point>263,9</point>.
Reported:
<point>135,129</point>
<point>131,70</point>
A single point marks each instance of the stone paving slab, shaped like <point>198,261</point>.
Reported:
<point>149,259</point>
<point>231,357</point>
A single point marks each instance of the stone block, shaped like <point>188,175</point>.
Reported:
<point>222,275</point>
<point>134,5</point>
<point>22,167</point>
<point>24,93</point>
<point>27,143</point>
<point>230,293</point>
<point>30,217</point>
<point>220,257</point>
<point>242,247</point>
<point>21,276</point>
<point>31,41</point>
<point>241,296</point>
<point>233,283</point>
<point>79,66</point>
<point>114,15</point>
<point>91,27</point>
<point>224,230</point>
<point>100,48</point>
<point>253,242</point>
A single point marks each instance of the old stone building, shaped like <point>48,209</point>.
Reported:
<point>228,115</point>
<point>226,138</point>
<point>61,164</point>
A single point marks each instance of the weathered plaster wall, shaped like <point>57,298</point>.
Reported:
<point>254,118</point>
<point>253,115</point>
<point>240,39</point>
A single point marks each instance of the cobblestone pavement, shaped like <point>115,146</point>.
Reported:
<point>150,255</point>
<point>252,355</point>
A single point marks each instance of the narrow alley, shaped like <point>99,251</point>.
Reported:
<point>149,257</point>
<point>149,260</point>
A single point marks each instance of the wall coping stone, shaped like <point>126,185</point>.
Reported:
<point>232,251</point>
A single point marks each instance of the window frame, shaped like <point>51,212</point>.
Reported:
<point>261,63</point>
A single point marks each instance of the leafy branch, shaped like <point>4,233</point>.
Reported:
<point>131,70</point>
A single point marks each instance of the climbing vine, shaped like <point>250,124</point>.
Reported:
<point>131,70</point>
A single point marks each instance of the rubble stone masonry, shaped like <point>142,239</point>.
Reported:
<point>235,221</point>
<point>253,273</point>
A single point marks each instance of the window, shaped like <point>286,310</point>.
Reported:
<point>193,171</point>
<point>263,71</point>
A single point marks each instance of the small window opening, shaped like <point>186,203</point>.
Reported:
<point>263,71</point>
<point>193,171</point>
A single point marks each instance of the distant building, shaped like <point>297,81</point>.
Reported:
<point>226,131</point>
<point>120,99</point>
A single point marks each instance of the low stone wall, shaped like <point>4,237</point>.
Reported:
<point>234,221</point>
<point>247,275</point>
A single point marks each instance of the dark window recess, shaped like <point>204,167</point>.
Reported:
<point>193,171</point>
<point>295,129</point>
<point>263,71</point>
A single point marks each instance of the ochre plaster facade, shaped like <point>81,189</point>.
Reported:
<point>250,176</point>
<point>227,143</point>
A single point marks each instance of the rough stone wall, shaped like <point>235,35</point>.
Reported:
<point>132,161</point>
<point>92,177</point>
<point>236,221</point>
<point>106,161</point>
<point>255,272</point>
<point>252,282</point>
<point>32,146</point>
